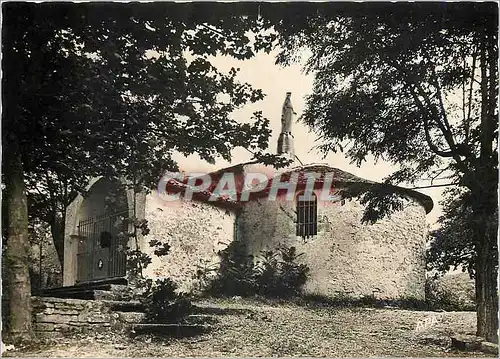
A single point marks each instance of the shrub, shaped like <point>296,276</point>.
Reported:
<point>293,276</point>
<point>267,273</point>
<point>273,274</point>
<point>236,274</point>
<point>279,274</point>
<point>164,305</point>
<point>450,292</point>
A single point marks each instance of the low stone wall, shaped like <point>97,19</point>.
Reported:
<point>57,316</point>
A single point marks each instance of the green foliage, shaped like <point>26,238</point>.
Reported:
<point>164,305</point>
<point>417,86</point>
<point>137,261</point>
<point>279,274</point>
<point>402,84</point>
<point>161,249</point>
<point>267,273</point>
<point>109,94</point>
<point>452,292</point>
<point>236,275</point>
<point>44,267</point>
<point>115,89</point>
<point>203,278</point>
<point>272,274</point>
<point>162,302</point>
<point>451,245</point>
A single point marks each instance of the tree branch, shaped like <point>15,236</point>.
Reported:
<point>214,30</point>
<point>428,138</point>
<point>436,185</point>
<point>467,119</point>
<point>437,174</point>
<point>50,189</point>
<point>414,85</point>
<point>439,95</point>
<point>448,136</point>
<point>485,122</point>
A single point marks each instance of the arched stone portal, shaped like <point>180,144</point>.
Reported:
<point>95,240</point>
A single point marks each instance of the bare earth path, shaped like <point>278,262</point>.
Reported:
<point>251,329</point>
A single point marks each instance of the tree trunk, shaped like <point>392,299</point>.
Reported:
<point>486,261</point>
<point>17,248</point>
<point>486,211</point>
<point>486,290</point>
<point>57,231</point>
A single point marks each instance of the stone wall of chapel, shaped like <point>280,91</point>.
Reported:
<point>346,257</point>
<point>196,231</point>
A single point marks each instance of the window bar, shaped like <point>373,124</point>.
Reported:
<point>306,219</point>
<point>315,218</point>
<point>303,218</point>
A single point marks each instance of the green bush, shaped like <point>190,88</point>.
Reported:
<point>164,305</point>
<point>279,274</point>
<point>236,274</point>
<point>267,274</point>
<point>273,274</point>
<point>452,292</point>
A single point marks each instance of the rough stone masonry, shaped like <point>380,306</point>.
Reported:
<point>58,316</point>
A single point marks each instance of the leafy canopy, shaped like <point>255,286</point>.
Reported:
<point>105,87</point>
<point>115,89</point>
<point>399,83</point>
<point>413,84</point>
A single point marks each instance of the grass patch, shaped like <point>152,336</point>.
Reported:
<point>366,301</point>
<point>262,327</point>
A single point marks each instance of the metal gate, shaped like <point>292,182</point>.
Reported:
<point>101,251</point>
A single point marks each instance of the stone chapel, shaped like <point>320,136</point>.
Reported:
<point>345,256</point>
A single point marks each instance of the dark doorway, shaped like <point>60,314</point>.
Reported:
<point>101,247</point>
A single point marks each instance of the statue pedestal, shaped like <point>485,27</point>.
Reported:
<point>285,144</point>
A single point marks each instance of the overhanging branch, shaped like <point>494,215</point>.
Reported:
<point>413,85</point>
<point>435,185</point>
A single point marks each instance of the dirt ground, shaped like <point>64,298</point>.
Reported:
<point>253,329</point>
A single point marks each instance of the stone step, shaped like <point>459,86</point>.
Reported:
<point>172,330</point>
<point>489,348</point>
<point>105,284</point>
<point>105,295</point>
<point>124,306</point>
<point>112,292</point>
<point>131,317</point>
<point>81,294</point>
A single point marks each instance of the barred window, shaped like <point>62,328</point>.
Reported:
<point>236,228</point>
<point>307,216</point>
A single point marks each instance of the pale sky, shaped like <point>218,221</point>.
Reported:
<point>275,81</point>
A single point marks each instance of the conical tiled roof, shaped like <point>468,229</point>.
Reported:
<point>348,180</point>
<point>341,179</point>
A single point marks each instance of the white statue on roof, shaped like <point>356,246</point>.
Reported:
<point>285,140</point>
<point>287,115</point>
